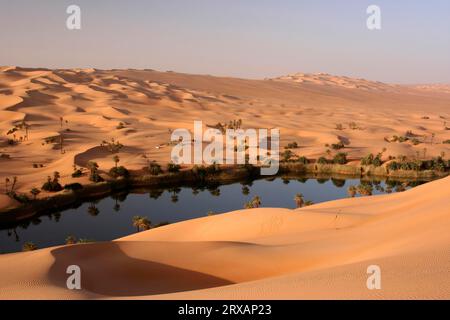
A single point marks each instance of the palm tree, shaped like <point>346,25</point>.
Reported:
<point>141,223</point>
<point>352,190</point>
<point>145,224</point>
<point>116,160</point>
<point>35,192</point>
<point>299,201</point>
<point>93,168</point>
<point>256,202</point>
<point>245,190</point>
<point>13,184</point>
<point>93,210</point>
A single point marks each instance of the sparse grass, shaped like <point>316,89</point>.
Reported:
<point>338,146</point>
<point>232,124</point>
<point>292,145</point>
<point>354,126</point>
<point>113,146</point>
<point>29,246</point>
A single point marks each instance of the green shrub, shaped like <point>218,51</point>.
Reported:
<point>287,155</point>
<point>367,160</point>
<point>322,160</point>
<point>94,175</point>
<point>29,246</point>
<point>365,189</point>
<point>22,198</point>
<point>52,185</point>
<point>292,145</point>
<point>340,158</point>
<point>121,171</point>
<point>155,168</point>
<point>213,168</point>
<point>77,173</point>
<point>303,160</point>
<point>337,146</point>
<point>173,167</point>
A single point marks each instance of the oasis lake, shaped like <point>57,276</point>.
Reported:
<point>111,217</point>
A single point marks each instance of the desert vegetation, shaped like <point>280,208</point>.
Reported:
<point>254,203</point>
<point>52,184</point>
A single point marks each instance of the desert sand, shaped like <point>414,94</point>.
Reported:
<point>149,104</point>
<point>318,252</point>
<point>321,251</point>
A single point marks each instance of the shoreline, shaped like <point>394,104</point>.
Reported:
<point>186,178</point>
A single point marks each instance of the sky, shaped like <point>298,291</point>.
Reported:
<point>238,38</point>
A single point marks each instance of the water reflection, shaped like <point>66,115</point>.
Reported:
<point>99,219</point>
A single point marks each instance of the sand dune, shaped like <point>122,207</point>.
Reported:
<point>321,251</point>
<point>316,252</point>
<point>307,109</point>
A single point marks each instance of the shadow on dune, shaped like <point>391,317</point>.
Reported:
<point>108,271</point>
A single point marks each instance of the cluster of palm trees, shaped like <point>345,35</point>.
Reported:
<point>364,190</point>
<point>22,126</point>
<point>299,201</point>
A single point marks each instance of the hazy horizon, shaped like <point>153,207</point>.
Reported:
<point>251,39</point>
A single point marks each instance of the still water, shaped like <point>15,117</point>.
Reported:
<point>111,217</point>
